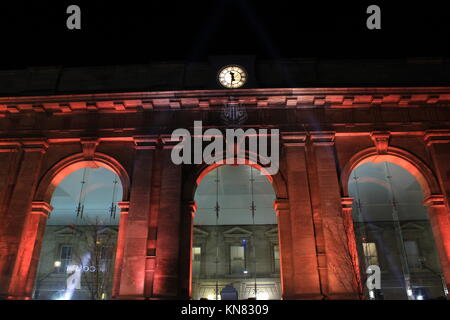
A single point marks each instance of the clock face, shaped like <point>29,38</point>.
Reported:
<point>232,76</point>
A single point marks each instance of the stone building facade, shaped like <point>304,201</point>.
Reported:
<point>324,134</point>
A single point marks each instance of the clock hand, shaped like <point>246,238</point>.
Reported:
<point>232,76</point>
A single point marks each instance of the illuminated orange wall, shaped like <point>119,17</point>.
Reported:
<point>325,133</point>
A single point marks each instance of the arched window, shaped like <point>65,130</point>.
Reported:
<point>77,256</point>
<point>393,231</point>
<point>235,245</point>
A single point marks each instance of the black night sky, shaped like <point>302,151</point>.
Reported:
<point>34,33</point>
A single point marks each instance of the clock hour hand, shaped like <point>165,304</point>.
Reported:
<point>232,76</point>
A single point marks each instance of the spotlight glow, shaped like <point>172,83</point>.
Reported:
<point>262,296</point>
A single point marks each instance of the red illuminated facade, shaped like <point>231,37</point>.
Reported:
<point>325,133</point>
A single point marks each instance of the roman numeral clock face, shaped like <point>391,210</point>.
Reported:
<point>232,77</point>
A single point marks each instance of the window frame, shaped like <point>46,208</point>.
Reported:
<point>244,260</point>
<point>368,258</point>
<point>63,267</point>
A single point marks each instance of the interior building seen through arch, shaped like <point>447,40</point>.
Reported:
<point>235,243</point>
<point>77,255</point>
<point>393,231</point>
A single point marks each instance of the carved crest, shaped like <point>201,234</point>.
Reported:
<point>233,113</point>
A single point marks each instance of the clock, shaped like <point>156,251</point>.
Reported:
<point>232,76</point>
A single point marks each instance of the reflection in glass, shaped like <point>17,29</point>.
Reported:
<point>235,229</point>
<point>393,231</point>
<point>77,255</point>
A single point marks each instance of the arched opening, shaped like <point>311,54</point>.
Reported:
<point>393,230</point>
<point>79,244</point>
<point>235,252</point>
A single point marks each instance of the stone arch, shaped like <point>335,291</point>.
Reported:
<point>66,166</point>
<point>198,172</point>
<point>238,228</point>
<point>30,247</point>
<point>415,166</point>
<point>425,177</point>
<point>192,176</point>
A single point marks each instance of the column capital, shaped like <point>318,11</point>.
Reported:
<point>381,140</point>
<point>7,145</point>
<point>436,136</point>
<point>325,138</point>
<point>293,139</point>
<point>435,200</point>
<point>191,206</point>
<point>41,208</point>
<point>168,143</point>
<point>347,202</point>
<point>145,142</point>
<point>124,206</point>
<point>35,145</point>
<point>281,205</point>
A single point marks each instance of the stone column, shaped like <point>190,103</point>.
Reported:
<point>132,276</point>
<point>10,161</point>
<point>186,242</point>
<point>438,143</point>
<point>440,224</point>
<point>118,265</point>
<point>24,274</point>
<point>304,277</point>
<point>351,242</point>
<point>281,207</point>
<point>166,282</point>
<point>340,272</point>
<point>9,158</point>
<point>23,224</point>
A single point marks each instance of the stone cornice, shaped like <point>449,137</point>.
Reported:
<point>289,98</point>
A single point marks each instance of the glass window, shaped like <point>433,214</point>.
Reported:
<point>80,237</point>
<point>276,258</point>
<point>196,257</point>
<point>65,257</point>
<point>236,228</point>
<point>388,211</point>
<point>370,252</point>
<point>237,259</point>
<point>106,253</point>
<point>412,254</point>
